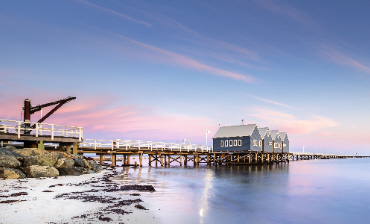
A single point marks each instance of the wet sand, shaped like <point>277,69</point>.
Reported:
<point>90,198</point>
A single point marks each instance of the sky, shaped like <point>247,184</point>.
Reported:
<point>171,70</point>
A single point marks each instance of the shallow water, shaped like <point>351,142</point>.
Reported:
<point>314,191</point>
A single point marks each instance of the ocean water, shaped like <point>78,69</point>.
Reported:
<point>310,191</point>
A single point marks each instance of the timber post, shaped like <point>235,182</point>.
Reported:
<point>161,156</point>
<point>141,159</point>
<point>101,159</point>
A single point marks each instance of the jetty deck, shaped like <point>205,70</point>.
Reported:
<point>160,153</point>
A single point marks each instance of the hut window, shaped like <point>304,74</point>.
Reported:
<point>254,142</point>
<point>235,142</point>
<point>284,145</point>
<point>270,143</point>
<point>240,142</point>
<point>230,143</point>
<point>260,142</point>
<point>226,143</point>
<point>222,143</point>
<point>277,145</point>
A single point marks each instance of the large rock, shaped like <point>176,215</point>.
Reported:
<point>79,162</point>
<point>64,163</point>
<point>9,173</point>
<point>9,152</point>
<point>92,164</point>
<point>73,171</point>
<point>30,151</point>
<point>41,160</point>
<point>40,171</point>
<point>9,161</point>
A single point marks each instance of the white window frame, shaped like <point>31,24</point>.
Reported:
<point>270,143</point>
<point>255,143</point>
<point>276,145</point>
<point>235,142</point>
<point>226,143</point>
<point>284,145</point>
<point>239,142</point>
<point>222,143</point>
<point>230,143</point>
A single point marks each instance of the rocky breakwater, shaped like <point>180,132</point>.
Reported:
<point>33,163</point>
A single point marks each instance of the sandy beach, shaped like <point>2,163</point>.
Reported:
<point>90,198</point>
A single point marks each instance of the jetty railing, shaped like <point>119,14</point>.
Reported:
<point>40,129</point>
<point>119,144</point>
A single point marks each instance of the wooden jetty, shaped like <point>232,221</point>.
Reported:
<point>35,135</point>
<point>70,139</point>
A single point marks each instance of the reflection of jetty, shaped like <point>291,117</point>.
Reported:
<point>70,139</point>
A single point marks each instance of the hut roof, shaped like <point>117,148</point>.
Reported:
<point>283,134</point>
<point>274,134</point>
<point>263,131</point>
<point>235,131</point>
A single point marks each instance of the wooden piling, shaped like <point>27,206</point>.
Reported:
<point>150,160</point>
<point>113,160</point>
<point>141,159</point>
<point>185,160</point>
<point>169,160</point>
<point>180,159</point>
<point>161,156</point>
<point>75,148</point>
<point>101,159</point>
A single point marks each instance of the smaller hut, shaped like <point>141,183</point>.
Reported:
<point>284,141</point>
<point>276,141</point>
<point>266,139</point>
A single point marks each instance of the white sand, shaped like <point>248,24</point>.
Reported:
<point>41,207</point>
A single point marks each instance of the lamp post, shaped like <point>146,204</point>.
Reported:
<point>206,137</point>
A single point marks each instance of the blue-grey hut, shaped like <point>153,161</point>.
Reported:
<point>284,141</point>
<point>276,143</point>
<point>237,138</point>
<point>266,139</point>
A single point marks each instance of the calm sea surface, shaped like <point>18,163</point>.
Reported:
<point>314,191</point>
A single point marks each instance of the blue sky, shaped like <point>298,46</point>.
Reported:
<point>169,70</point>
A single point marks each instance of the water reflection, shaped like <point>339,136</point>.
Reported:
<point>333,190</point>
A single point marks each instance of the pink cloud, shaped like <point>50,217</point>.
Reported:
<point>116,13</point>
<point>291,124</point>
<point>273,102</point>
<point>199,38</point>
<point>342,59</point>
<point>103,118</point>
<point>188,62</point>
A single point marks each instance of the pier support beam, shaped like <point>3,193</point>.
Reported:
<point>101,159</point>
<point>185,160</point>
<point>75,148</point>
<point>141,159</point>
<point>180,159</point>
<point>40,145</point>
<point>68,149</point>
<point>114,157</point>
<point>150,160</point>
<point>169,160</point>
<point>161,156</point>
